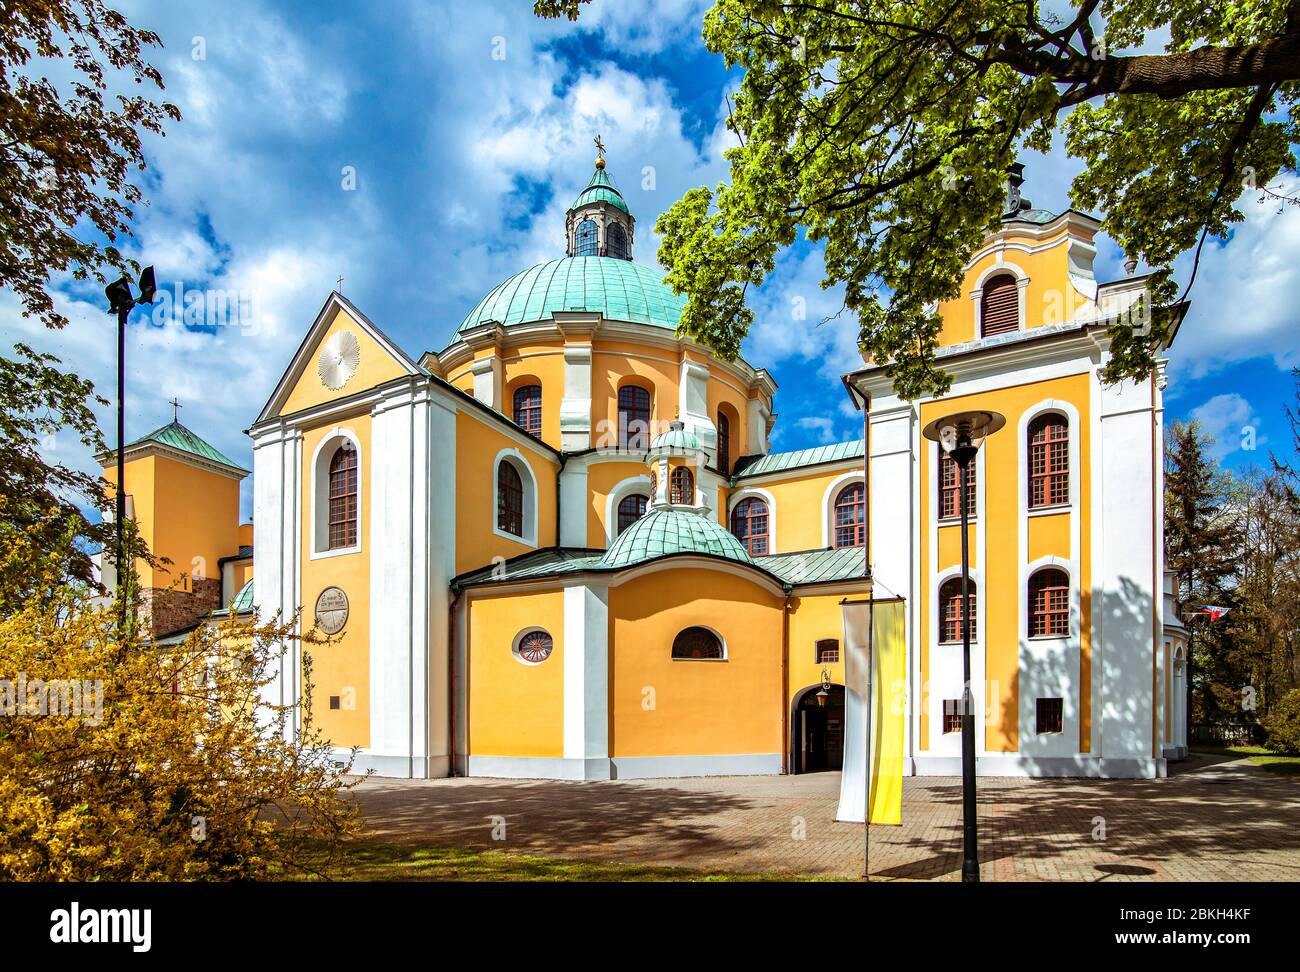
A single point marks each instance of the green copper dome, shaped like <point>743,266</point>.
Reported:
<point>618,289</point>
<point>665,531</point>
<point>675,438</point>
<point>601,189</point>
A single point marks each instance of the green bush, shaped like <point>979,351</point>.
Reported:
<point>1283,725</point>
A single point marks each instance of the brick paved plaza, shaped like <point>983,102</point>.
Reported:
<point>1212,820</point>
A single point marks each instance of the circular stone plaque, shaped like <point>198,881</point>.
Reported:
<point>332,610</point>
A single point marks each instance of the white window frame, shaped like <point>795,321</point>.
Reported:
<point>320,492</point>
<point>528,480</point>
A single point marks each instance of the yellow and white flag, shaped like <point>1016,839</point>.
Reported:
<point>875,673</point>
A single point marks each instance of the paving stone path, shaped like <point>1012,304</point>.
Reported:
<point>1211,820</point>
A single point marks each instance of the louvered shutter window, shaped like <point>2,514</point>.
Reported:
<point>1000,310</point>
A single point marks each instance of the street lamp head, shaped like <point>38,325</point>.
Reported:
<point>147,286</point>
<point>119,296</point>
<point>962,433</point>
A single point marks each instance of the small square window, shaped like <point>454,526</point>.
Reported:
<point>828,651</point>
<point>951,715</point>
<point>1050,715</point>
<point>334,701</point>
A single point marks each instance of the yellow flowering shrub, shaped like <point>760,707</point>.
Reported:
<point>122,759</point>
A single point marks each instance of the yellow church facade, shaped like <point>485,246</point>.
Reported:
<point>562,547</point>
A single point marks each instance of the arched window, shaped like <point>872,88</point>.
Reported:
<point>528,409</point>
<point>681,487</point>
<point>1000,305</point>
<point>585,239</point>
<point>510,499</point>
<point>654,484</point>
<point>616,241</point>
<point>1049,603</point>
<point>950,488</point>
<point>698,644</point>
<point>630,509</point>
<point>343,498</point>
<point>749,524</point>
<point>850,516</point>
<point>1049,461</point>
<point>633,417</point>
<point>950,610</point>
<point>724,443</point>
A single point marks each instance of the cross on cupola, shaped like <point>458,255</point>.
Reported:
<point>599,223</point>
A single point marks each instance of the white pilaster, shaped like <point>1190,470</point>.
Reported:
<point>693,405</point>
<point>575,409</point>
<point>756,416</point>
<point>586,682</point>
<point>487,381</point>
<point>573,506</point>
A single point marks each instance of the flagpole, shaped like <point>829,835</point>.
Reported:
<point>871,625</point>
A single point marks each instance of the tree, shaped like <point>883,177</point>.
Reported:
<point>1202,542</point>
<point>66,197</point>
<point>127,760</point>
<point>885,130</point>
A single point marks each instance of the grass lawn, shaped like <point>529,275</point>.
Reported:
<point>1273,762</point>
<point>375,861</point>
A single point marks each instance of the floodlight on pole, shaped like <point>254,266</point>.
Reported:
<point>121,302</point>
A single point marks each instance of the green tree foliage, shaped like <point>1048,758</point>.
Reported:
<point>66,156</point>
<point>884,129</point>
<point>1283,725</point>
<point>1202,545</point>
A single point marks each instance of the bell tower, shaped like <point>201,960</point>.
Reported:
<point>599,222</point>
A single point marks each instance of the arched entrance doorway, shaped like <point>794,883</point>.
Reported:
<point>817,731</point>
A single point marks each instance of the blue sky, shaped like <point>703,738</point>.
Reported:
<point>426,150</point>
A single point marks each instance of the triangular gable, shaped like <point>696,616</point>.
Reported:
<point>381,360</point>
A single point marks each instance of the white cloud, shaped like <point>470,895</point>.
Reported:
<point>823,428</point>
<point>1231,420</point>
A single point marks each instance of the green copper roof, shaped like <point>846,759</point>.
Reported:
<point>618,289</point>
<point>601,189</point>
<point>177,436</point>
<point>241,603</point>
<point>816,566</point>
<point>781,461</point>
<point>665,531</point>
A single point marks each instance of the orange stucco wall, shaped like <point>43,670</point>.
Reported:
<point>663,707</point>
<point>515,709</point>
<point>341,667</point>
<point>999,599</point>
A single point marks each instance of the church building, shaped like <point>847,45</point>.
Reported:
<point>561,546</point>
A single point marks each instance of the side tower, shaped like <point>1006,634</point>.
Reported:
<point>171,474</point>
<point>1066,527</point>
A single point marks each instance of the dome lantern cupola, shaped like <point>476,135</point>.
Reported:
<point>675,458</point>
<point>599,222</point>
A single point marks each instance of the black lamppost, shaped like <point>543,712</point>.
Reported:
<point>121,302</point>
<point>960,436</point>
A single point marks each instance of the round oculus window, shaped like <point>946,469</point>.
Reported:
<point>535,647</point>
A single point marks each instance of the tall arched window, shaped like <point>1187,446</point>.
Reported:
<point>950,488</point>
<point>724,443</point>
<point>681,487</point>
<point>528,409</point>
<point>698,644</point>
<point>510,499</point>
<point>585,241</point>
<point>343,498</point>
<point>749,524</point>
<point>1049,603</point>
<point>950,610</point>
<point>630,509</point>
<point>1049,461</point>
<point>616,241</point>
<point>850,517</point>
<point>1000,305</point>
<point>633,417</point>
